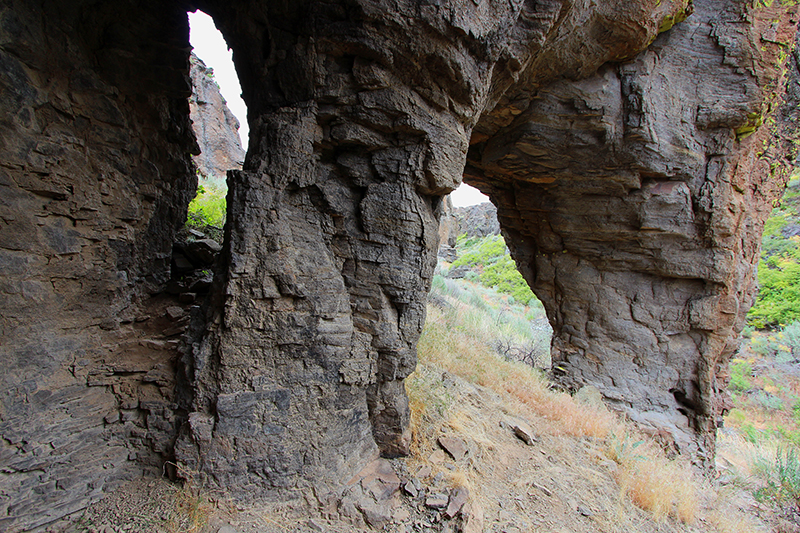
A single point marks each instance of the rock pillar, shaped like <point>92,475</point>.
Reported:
<point>633,202</point>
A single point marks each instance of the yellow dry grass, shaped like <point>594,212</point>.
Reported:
<point>192,509</point>
<point>647,478</point>
<point>661,487</point>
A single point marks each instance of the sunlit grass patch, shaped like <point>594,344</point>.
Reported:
<point>209,207</point>
<point>458,339</point>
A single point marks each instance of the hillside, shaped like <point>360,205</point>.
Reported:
<point>778,302</point>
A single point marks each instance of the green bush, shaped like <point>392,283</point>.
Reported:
<point>779,292</point>
<point>778,301</point>
<point>474,252</point>
<point>783,345</point>
<point>511,330</point>
<point>504,276</point>
<point>741,371</point>
<point>768,401</point>
<point>780,479</point>
<point>209,206</point>
<point>751,434</point>
<point>490,257</point>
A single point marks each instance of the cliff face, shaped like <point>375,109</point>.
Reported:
<point>95,177</point>
<point>633,202</point>
<point>477,220</point>
<point>214,126</point>
<point>631,196</point>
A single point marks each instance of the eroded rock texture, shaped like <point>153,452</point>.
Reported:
<point>633,201</point>
<point>95,176</point>
<point>361,118</point>
<point>624,182</point>
<point>214,126</point>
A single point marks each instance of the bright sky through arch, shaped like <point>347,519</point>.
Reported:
<point>466,195</point>
<point>210,46</point>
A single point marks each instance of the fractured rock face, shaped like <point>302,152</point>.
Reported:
<point>214,126</point>
<point>632,200</point>
<point>95,175</point>
<point>631,196</point>
<point>478,220</point>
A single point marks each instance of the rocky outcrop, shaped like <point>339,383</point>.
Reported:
<point>214,126</point>
<point>633,202</point>
<point>474,221</point>
<point>631,197</point>
<point>478,220</point>
<point>95,177</point>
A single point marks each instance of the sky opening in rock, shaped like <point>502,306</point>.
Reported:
<point>210,46</point>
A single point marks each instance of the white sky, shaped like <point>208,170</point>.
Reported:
<point>210,46</point>
<point>466,195</point>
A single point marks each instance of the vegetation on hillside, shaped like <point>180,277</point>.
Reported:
<point>778,302</point>
<point>612,469</point>
<point>758,446</point>
<point>492,266</point>
<point>208,209</point>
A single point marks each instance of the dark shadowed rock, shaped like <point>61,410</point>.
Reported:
<point>631,196</point>
<point>608,190</point>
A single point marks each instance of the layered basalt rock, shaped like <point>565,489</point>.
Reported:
<point>629,194</point>
<point>360,120</point>
<point>633,201</point>
<point>214,126</point>
<point>95,177</point>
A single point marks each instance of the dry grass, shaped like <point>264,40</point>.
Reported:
<point>193,508</point>
<point>661,487</point>
<point>192,511</point>
<point>646,477</point>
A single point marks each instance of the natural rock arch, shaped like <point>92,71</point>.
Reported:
<point>362,116</point>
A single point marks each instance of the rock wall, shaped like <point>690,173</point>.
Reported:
<point>361,117</point>
<point>633,202</point>
<point>95,176</point>
<point>214,126</point>
<point>477,220</point>
<point>631,196</point>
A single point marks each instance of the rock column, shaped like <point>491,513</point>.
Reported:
<point>633,202</point>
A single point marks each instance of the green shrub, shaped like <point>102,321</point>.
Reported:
<point>779,292</point>
<point>783,345</point>
<point>737,416</point>
<point>780,479</point>
<point>768,401</point>
<point>504,276</point>
<point>751,434</point>
<point>778,300</point>
<point>473,252</point>
<point>517,332</point>
<point>209,206</point>
<point>741,371</point>
<point>494,265</point>
<point>790,435</point>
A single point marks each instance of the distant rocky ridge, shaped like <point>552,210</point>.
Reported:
<point>216,128</point>
<point>477,220</point>
<point>474,220</point>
